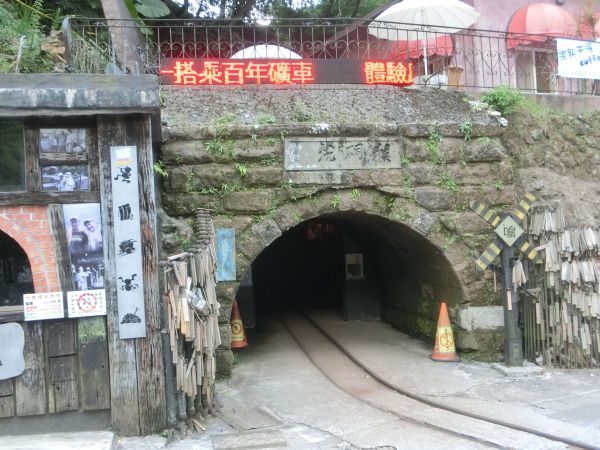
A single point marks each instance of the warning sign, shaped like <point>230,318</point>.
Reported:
<point>48,305</point>
<point>86,303</point>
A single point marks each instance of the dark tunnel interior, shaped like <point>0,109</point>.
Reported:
<point>366,267</point>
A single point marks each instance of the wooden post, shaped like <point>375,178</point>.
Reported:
<point>136,365</point>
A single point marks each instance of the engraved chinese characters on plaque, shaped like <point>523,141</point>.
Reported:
<point>343,153</point>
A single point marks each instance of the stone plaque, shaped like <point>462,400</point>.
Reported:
<point>328,153</point>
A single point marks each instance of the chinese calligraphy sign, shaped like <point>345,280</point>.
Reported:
<point>343,153</point>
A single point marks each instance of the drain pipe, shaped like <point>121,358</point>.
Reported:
<point>20,53</point>
<point>168,363</point>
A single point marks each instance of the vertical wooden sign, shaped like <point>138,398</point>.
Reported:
<point>225,238</point>
<point>127,238</point>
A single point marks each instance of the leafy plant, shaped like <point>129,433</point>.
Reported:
<point>22,20</point>
<point>242,169</point>
<point>500,186</point>
<point>301,113</point>
<point>433,147</point>
<point>335,200</point>
<point>264,119</point>
<point>466,129</point>
<point>160,168</point>
<point>267,161</point>
<point>447,181</point>
<point>223,147</point>
<point>354,194</point>
<point>504,99</point>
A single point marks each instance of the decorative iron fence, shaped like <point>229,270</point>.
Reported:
<point>474,59</point>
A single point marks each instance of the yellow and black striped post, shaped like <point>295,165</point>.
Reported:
<point>513,352</point>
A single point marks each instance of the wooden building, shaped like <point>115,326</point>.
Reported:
<point>77,215</point>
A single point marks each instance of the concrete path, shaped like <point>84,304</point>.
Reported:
<point>277,398</point>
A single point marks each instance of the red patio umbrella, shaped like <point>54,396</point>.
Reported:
<point>438,45</point>
<point>542,19</point>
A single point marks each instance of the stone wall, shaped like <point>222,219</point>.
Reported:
<point>224,150</point>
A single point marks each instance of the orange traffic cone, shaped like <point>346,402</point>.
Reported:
<point>443,349</point>
<point>238,337</point>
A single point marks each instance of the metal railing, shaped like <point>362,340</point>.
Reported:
<point>474,59</point>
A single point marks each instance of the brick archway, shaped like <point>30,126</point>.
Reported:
<point>30,228</point>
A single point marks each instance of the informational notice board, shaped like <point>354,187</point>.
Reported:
<point>225,254</point>
<point>86,303</point>
<point>127,241</point>
<point>44,306</point>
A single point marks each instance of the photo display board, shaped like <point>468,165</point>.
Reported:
<point>127,240</point>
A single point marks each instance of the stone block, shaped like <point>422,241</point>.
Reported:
<point>259,150</point>
<point>480,318</point>
<point>224,359</point>
<point>267,231</point>
<point>248,202</point>
<point>185,204</point>
<point>474,174</point>
<point>225,332</point>
<point>249,244</point>
<point>434,198</point>
<point>421,174</point>
<point>185,152</point>
<point>484,150</point>
<point>481,293</point>
<point>485,345</point>
<point>424,223</point>
<point>464,223</point>
<point>263,176</point>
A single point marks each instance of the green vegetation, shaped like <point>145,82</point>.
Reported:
<point>160,168</point>
<point>242,169</point>
<point>466,129</point>
<point>504,99</point>
<point>264,119</point>
<point>447,181</point>
<point>335,200</point>
<point>500,186</point>
<point>433,147</point>
<point>354,194</point>
<point>21,20</point>
<point>301,112</point>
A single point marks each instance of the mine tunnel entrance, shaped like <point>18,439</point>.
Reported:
<point>365,266</point>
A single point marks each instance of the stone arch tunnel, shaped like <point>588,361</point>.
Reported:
<point>390,169</point>
<point>363,265</point>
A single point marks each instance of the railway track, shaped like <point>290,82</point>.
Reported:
<point>350,375</point>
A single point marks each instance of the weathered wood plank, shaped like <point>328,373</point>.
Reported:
<point>7,406</point>
<point>94,167</point>
<point>53,159</point>
<point>124,395</point>
<point>63,393</point>
<point>32,159</point>
<point>93,363</point>
<point>153,410</point>
<point>7,387</point>
<point>61,247</point>
<point>30,386</point>
<point>46,198</point>
<point>60,338</point>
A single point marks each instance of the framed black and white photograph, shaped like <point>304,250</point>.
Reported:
<point>65,178</point>
<point>85,244</point>
<point>63,140</point>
